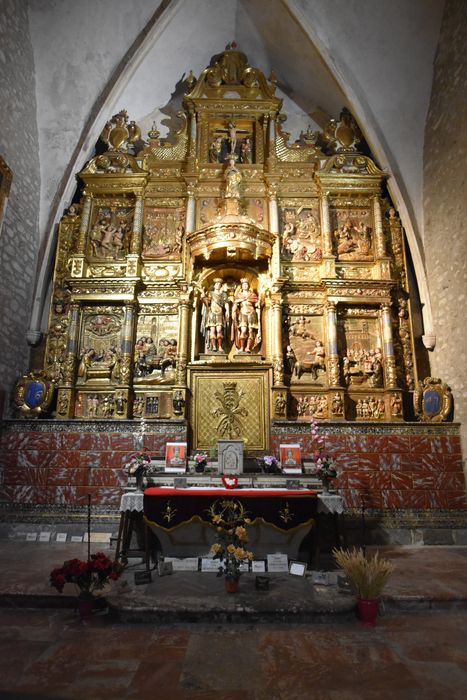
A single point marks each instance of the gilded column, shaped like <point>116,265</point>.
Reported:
<point>77,266</point>
<point>66,392</point>
<point>333,356</point>
<point>133,258</point>
<point>326,225</point>
<point>84,226</point>
<point>72,346</point>
<point>127,344</point>
<point>190,221</point>
<point>388,347</point>
<point>277,355</point>
<point>136,238</point>
<point>328,268</point>
<point>182,354</point>
<point>274,228</point>
<point>379,233</point>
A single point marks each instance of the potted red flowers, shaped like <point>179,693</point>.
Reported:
<point>87,576</point>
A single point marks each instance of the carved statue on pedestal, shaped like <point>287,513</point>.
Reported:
<point>246,328</point>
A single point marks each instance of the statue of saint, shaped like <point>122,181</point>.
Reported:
<point>215,317</point>
<point>246,328</point>
<point>233,179</point>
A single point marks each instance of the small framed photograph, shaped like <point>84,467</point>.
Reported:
<point>297,568</point>
<point>175,457</point>
<point>291,458</point>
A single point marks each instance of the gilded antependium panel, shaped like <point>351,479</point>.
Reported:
<point>225,277</point>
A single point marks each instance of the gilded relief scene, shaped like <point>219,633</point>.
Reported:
<point>163,233</point>
<point>301,236</point>
<point>155,350</point>
<point>361,352</point>
<point>100,349</point>
<point>110,232</point>
<point>305,351</point>
<point>353,235</point>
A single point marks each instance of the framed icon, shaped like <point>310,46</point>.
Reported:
<point>291,458</point>
<point>175,456</point>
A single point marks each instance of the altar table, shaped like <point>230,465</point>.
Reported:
<point>280,518</point>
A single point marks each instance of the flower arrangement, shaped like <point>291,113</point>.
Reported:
<point>201,460</point>
<point>138,465</point>
<point>88,576</point>
<point>369,575</point>
<point>232,538</point>
<point>269,464</point>
<point>323,465</point>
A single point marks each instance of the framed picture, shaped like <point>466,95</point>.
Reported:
<point>291,458</point>
<point>175,456</point>
<point>297,568</point>
<point>230,456</point>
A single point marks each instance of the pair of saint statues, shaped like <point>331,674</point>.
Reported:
<point>245,329</point>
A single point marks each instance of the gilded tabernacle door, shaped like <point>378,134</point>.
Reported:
<point>230,405</point>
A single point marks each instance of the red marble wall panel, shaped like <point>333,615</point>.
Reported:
<point>390,470</point>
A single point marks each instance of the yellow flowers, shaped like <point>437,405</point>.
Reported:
<point>241,534</point>
<point>216,548</point>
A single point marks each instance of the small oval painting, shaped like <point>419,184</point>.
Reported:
<point>34,394</point>
<point>431,402</point>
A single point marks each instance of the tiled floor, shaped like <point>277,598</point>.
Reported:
<point>421,655</point>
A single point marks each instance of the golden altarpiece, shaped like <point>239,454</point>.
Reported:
<point>229,278</point>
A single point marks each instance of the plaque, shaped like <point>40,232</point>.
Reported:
<point>230,454</point>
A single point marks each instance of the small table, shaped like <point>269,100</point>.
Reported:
<point>131,516</point>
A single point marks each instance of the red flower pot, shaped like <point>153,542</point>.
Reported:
<point>231,585</point>
<point>85,607</point>
<point>367,611</point>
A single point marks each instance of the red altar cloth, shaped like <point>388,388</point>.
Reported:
<point>239,493</point>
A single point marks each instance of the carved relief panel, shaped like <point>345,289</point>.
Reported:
<point>353,234</point>
<point>163,233</point>
<point>304,351</point>
<point>360,347</point>
<point>301,234</point>
<point>100,345</point>
<point>211,209</point>
<point>110,232</point>
<point>155,349</point>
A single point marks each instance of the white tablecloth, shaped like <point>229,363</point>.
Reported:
<point>132,501</point>
<point>330,503</point>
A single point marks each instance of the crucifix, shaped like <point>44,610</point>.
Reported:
<point>232,131</point>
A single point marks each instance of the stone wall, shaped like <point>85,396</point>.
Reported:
<point>19,148</point>
<point>446,206</point>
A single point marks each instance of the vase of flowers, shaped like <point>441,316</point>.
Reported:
<point>323,465</point>
<point>87,576</point>
<point>201,461</point>
<point>232,538</point>
<point>138,466</point>
<point>269,464</point>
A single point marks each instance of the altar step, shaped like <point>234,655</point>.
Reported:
<point>200,597</point>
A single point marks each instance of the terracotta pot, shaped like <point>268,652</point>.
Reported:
<point>231,585</point>
<point>367,611</point>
